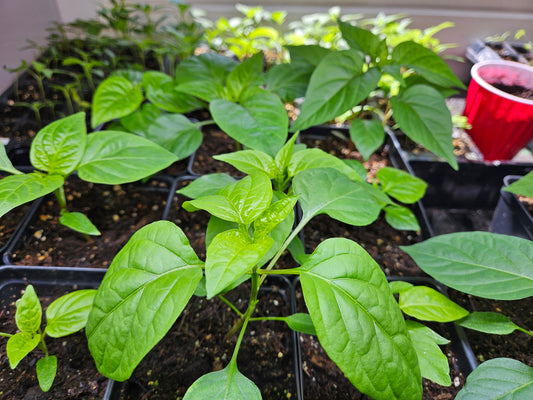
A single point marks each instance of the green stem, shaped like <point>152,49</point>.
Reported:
<point>282,319</point>
<point>5,334</point>
<point>60,196</point>
<point>292,271</point>
<point>204,123</point>
<point>230,305</point>
<point>525,331</point>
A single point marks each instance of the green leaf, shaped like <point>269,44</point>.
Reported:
<point>523,186</point>
<point>206,185</point>
<point>414,326</point>
<point>273,215</point>
<point>483,264</point>
<point>401,185</point>
<point>310,54</point>
<point>488,322</point>
<point>144,291</point>
<point>46,368</point>
<point>317,158</point>
<point>29,312</point>
<point>258,121</point>
<point>5,162</point>
<point>427,304</point>
<point>19,189</point>
<point>422,114</point>
<point>240,202</point>
<point>248,73</point>
<point>68,314</point>
<point>499,379</point>
<point>367,135</point>
<point>229,256</point>
<point>78,222</point>
<point>432,361</point>
<point>160,90</point>
<point>328,191</point>
<point>401,218</point>
<point>289,81</point>
<point>114,157</point>
<point>139,120</point>
<point>338,84</point>
<point>364,40</point>
<point>250,161</point>
<point>301,322</point>
<point>226,384</point>
<point>19,346</point>
<point>115,97</point>
<point>358,322</point>
<point>399,286</point>
<point>59,146</point>
<point>426,62</point>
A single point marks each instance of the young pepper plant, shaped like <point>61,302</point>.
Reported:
<point>363,329</point>
<point>64,316</point>
<point>63,147</point>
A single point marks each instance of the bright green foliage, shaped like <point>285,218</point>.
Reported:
<point>523,186</point>
<point>78,222</point>
<point>490,322</point>
<point>401,185</point>
<point>367,135</point>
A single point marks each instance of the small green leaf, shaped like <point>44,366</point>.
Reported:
<point>68,314</point>
<point>139,120</point>
<point>78,222</point>
<point>206,185</point>
<point>114,157</point>
<point>523,186</point>
<point>310,54</point>
<point>59,146</point>
<point>289,81</point>
<point>5,162</point>
<point>317,158</point>
<point>273,215</point>
<point>46,372</point>
<point>29,312</point>
<point>226,384</point>
<point>367,135</point>
<point>401,218</point>
<point>499,379</point>
<point>115,97</point>
<point>301,322</point>
<point>364,40</point>
<point>250,161</point>
<point>427,304</point>
<point>160,91</point>
<point>229,256</point>
<point>19,346</point>
<point>414,326</point>
<point>488,322</point>
<point>19,189</point>
<point>248,73</point>
<point>479,263</point>
<point>399,286</point>
<point>401,185</point>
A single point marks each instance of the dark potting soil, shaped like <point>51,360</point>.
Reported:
<point>117,211</point>
<point>515,90</point>
<point>77,376</point>
<point>10,222</point>
<point>196,345</point>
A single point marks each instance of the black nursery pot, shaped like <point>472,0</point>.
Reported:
<point>49,284</point>
<point>511,216</point>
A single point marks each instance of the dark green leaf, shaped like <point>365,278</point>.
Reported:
<point>401,185</point>
<point>523,186</point>
<point>160,91</point>
<point>289,81</point>
<point>248,73</point>
<point>365,41</point>
<point>488,322</point>
<point>367,135</point>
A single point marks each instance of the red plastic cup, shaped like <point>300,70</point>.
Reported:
<point>502,124</point>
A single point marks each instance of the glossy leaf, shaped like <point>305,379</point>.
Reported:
<point>68,314</point>
<point>427,304</point>
<point>488,322</point>
<point>59,146</point>
<point>289,81</point>
<point>401,185</point>
<point>114,157</point>
<point>250,161</point>
<point>367,135</point>
<point>139,120</point>
<point>19,346</point>
<point>19,189</point>
<point>432,361</point>
<point>338,84</point>
<point>5,162</point>
<point>226,384</point>
<point>401,218</point>
<point>523,186</point>
<point>317,158</point>
<point>46,368</point>
<point>258,121</point>
<point>78,222</point>
<point>144,291</point>
<point>399,286</point>
<point>422,114</point>
<point>160,91</point>
<point>310,54</point>
<point>328,191</point>
<point>29,312</point>
<point>364,40</point>
<point>358,322</point>
<point>115,97</point>
<point>479,263</point>
<point>301,322</point>
<point>229,256</point>
<point>499,379</point>
<point>248,73</point>
<point>273,215</point>
<point>206,185</point>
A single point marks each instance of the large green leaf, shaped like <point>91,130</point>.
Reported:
<point>19,189</point>
<point>144,291</point>
<point>310,54</point>
<point>401,185</point>
<point>139,120</point>
<point>59,146</point>
<point>499,379</point>
<point>427,304</point>
<point>523,186</point>
<point>68,314</point>
<point>365,41</point>
<point>337,84</point>
<point>248,73</point>
<point>358,321</point>
<point>479,263</point>
<point>426,62</point>
<point>5,162</point>
<point>29,311</point>
<point>422,114</point>
<point>229,256</point>
<point>328,191</point>
<point>258,121</point>
<point>115,97</point>
<point>367,135</point>
<point>114,157</point>
<point>226,384</point>
<point>160,91</point>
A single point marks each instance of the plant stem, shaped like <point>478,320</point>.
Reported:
<point>230,305</point>
<point>293,271</point>
<point>60,196</point>
<point>530,333</point>
<point>268,319</point>
<point>204,123</point>
<point>5,334</point>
